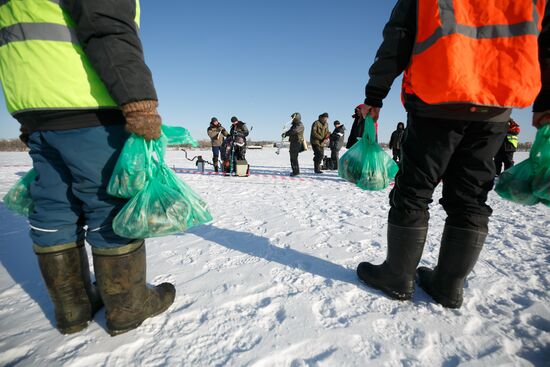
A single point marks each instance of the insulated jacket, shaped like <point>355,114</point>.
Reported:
<point>296,134</point>
<point>460,59</point>
<point>216,134</point>
<point>357,130</point>
<point>239,129</point>
<point>319,132</point>
<point>71,63</point>
<point>336,141</point>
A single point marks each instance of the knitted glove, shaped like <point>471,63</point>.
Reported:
<point>143,119</point>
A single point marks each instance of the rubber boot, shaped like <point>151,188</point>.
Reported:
<point>317,168</point>
<point>460,249</point>
<point>66,272</point>
<point>121,274</point>
<point>395,276</point>
<point>295,170</point>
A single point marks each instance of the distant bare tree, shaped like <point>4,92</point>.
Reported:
<point>12,145</point>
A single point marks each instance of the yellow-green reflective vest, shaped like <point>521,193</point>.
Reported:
<point>513,139</point>
<point>42,65</point>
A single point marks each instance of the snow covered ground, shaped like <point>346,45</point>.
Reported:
<point>271,282</point>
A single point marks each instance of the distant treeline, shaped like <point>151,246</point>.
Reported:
<point>15,145</point>
<point>12,145</point>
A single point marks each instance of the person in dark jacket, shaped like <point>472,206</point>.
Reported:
<point>396,141</point>
<point>296,138</point>
<point>505,155</point>
<point>336,142</point>
<point>358,127</point>
<point>217,133</point>
<point>76,112</point>
<point>237,136</point>
<point>449,140</point>
<point>319,135</point>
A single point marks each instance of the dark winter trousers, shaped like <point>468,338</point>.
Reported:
<point>318,154</point>
<point>458,153</point>
<point>294,160</point>
<point>396,154</point>
<point>503,157</point>
<point>334,156</point>
<point>70,192</point>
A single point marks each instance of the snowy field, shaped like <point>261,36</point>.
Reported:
<point>271,282</point>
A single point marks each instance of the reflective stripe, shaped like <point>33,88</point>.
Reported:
<point>449,27</point>
<point>43,230</point>
<point>37,32</point>
<point>97,229</point>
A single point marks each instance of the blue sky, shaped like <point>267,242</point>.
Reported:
<point>262,61</point>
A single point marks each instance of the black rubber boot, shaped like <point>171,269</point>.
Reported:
<point>66,272</point>
<point>121,274</point>
<point>395,276</point>
<point>460,249</point>
<point>317,168</point>
<point>295,170</point>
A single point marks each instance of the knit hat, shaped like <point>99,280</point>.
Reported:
<point>234,119</point>
<point>213,120</point>
<point>323,115</point>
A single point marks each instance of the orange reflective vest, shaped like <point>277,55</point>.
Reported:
<point>479,52</point>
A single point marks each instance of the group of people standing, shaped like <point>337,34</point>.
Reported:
<point>319,137</point>
<point>231,146</point>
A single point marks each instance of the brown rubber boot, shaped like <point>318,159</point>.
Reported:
<point>121,274</point>
<point>66,273</point>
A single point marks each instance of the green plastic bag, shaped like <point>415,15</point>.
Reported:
<point>528,182</point>
<point>540,153</point>
<point>130,173</point>
<point>199,213</point>
<point>19,199</point>
<point>131,170</point>
<point>157,210</point>
<point>164,206</point>
<point>366,164</point>
<point>176,135</point>
<point>515,184</point>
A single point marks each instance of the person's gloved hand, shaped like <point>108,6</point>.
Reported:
<point>143,119</point>
<point>366,110</point>
<point>541,118</point>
